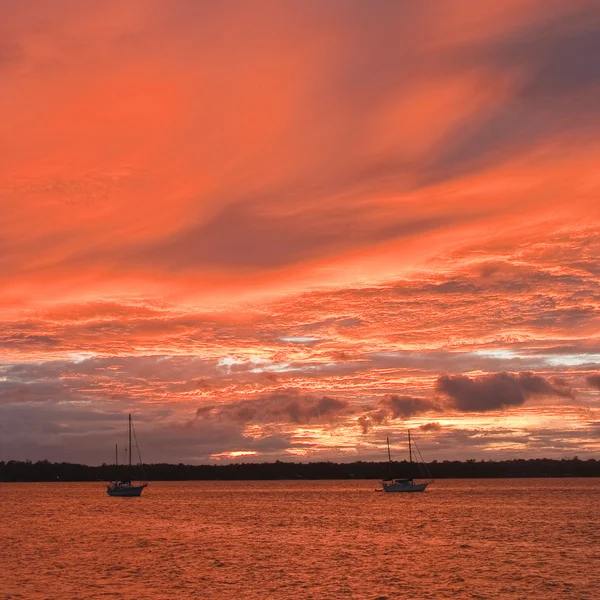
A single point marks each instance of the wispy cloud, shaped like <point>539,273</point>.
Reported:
<point>293,220</point>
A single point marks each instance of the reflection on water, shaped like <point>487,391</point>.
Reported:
<point>504,539</point>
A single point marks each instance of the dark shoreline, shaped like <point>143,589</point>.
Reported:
<point>44,471</point>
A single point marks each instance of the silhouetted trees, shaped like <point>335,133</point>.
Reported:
<point>539,467</point>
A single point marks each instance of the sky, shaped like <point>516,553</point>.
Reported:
<point>288,230</point>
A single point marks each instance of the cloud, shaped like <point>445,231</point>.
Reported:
<point>553,90</point>
<point>25,341</point>
<point>427,427</point>
<point>285,406</point>
<point>594,380</point>
<point>405,189</point>
<point>242,236</point>
<point>503,442</point>
<point>365,423</point>
<point>392,407</point>
<point>88,433</point>
<point>404,407</point>
<point>373,417</point>
<point>496,391</point>
<point>13,392</point>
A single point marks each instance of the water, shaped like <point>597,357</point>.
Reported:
<point>476,539</point>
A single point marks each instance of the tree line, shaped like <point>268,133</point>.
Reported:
<point>539,467</point>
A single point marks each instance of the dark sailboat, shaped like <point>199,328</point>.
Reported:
<point>126,488</point>
<point>407,484</point>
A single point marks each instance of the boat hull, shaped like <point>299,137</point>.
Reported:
<point>126,492</point>
<point>403,487</point>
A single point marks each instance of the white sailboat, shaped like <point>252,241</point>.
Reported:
<point>126,488</point>
<point>407,484</point>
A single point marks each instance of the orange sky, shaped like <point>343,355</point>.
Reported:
<point>287,230</point>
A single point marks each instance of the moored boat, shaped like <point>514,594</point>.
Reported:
<point>407,484</point>
<point>126,488</point>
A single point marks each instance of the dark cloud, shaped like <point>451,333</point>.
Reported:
<point>404,407</point>
<point>28,341</point>
<point>373,417</point>
<point>337,322</point>
<point>14,392</point>
<point>252,234</point>
<point>500,276</point>
<point>285,406</point>
<point>559,53</point>
<point>393,406</point>
<point>594,380</point>
<point>435,426</point>
<point>365,423</point>
<point>436,361</point>
<point>495,391</point>
<point>510,443</point>
<point>555,64</point>
<point>87,433</point>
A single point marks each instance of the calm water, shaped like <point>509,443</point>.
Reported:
<point>529,539</point>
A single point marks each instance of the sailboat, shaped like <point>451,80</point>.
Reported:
<point>126,488</point>
<point>407,484</point>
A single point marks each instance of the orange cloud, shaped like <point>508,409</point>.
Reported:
<point>205,207</point>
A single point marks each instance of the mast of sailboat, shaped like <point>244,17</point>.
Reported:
<point>409,448</point>
<point>390,459</point>
<point>130,448</point>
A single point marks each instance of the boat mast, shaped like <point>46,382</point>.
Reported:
<point>130,448</point>
<point>409,448</point>
<point>390,459</point>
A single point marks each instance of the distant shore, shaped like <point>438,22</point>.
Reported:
<point>27,471</point>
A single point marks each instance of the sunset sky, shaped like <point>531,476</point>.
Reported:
<point>286,230</point>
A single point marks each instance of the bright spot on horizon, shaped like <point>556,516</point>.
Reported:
<point>233,454</point>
